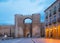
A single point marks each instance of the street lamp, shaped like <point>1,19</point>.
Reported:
<point>10,31</point>
<point>55,28</point>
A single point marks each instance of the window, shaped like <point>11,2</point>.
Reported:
<point>47,15</point>
<point>50,21</point>
<point>50,14</point>
<point>54,10</point>
<point>59,15</point>
<point>46,22</point>
<point>54,20</point>
<point>59,18</point>
<point>59,7</point>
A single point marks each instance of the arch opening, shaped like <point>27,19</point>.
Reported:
<point>27,21</point>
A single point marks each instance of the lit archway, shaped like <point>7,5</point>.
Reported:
<point>28,27</point>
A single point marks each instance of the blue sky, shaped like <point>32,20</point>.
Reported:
<point>8,8</point>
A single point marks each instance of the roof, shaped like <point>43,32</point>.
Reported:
<point>50,5</point>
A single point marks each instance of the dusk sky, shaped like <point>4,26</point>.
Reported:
<point>8,8</point>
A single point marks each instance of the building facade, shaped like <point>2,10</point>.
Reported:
<point>52,20</point>
<point>7,30</point>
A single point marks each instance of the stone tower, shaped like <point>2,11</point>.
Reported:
<point>23,30</point>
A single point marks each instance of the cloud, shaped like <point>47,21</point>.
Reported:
<point>24,6</point>
<point>8,8</point>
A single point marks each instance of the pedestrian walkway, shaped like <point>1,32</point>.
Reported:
<point>31,40</point>
<point>43,40</point>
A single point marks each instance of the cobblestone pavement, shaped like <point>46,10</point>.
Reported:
<point>43,40</point>
<point>31,40</point>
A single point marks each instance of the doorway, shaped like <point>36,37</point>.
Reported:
<point>51,33</point>
<point>28,35</point>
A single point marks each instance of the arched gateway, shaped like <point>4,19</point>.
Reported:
<point>27,29</point>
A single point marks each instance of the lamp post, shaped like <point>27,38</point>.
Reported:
<point>10,31</point>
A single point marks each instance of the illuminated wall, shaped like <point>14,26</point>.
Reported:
<point>54,32</point>
<point>58,31</point>
<point>46,32</point>
<point>51,32</point>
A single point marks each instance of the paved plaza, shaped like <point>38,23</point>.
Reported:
<point>31,40</point>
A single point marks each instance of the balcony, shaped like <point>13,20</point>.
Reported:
<point>58,19</point>
<point>54,12</point>
<point>50,23</point>
<point>46,25</point>
<point>50,15</point>
<point>54,22</point>
<point>46,17</point>
<point>59,9</point>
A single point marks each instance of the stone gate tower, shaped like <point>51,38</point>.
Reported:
<point>25,30</point>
